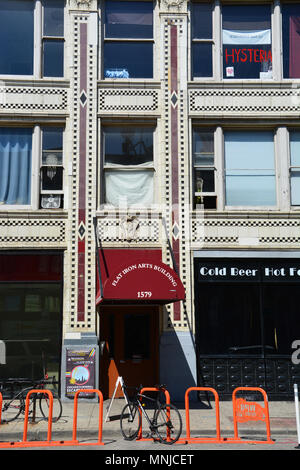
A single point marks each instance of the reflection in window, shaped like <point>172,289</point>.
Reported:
<point>16,37</point>
<point>202,34</point>
<point>250,168</point>
<point>128,46</point>
<point>291,40</point>
<point>53,39</point>
<point>247,41</point>
<point>128,165</point>
<point>30,324</point>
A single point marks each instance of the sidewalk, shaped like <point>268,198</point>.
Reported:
<point>202,423</point>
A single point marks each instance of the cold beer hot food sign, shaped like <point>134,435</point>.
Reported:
<point>247,270</point>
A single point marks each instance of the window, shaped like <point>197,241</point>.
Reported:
<point>128,165</point>
<point>295,167</point>
<point>291,40</point>
<point>20,159</point>
<point>246,35</point>
<point>52,168</point>
<point>128,45</point>
<point>53,38</point>
<point>204,169</point>
<point>202,39</point>
<point>23,48</point>
<point>16,166</point>
<point>250,168</point>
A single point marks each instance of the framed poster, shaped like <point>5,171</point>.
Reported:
<point>80,371</point>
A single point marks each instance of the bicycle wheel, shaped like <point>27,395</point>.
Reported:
<point>168,423</point>
<point>130,421</point>
<point>44,403</point>
<point>11,409</point>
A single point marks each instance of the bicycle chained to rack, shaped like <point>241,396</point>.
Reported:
<point>14,405</point>
<point>165,425</point>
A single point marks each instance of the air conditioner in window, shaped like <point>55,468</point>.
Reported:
<point>51,201</point>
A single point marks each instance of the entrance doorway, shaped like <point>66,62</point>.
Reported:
<point>130,338</point>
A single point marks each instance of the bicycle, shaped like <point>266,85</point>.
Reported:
<point>165,424</point>
<point>14,406</point>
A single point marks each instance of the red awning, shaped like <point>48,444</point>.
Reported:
<point>139,279</point>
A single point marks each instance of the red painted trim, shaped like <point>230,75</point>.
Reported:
<point>82,175</point>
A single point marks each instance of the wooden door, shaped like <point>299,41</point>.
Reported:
<point>130,335</point>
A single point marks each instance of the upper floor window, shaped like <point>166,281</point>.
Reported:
<point>202,40</point>
<point>249,168</point>
<point>25,51</point>
<point>259,41</point>
<point>128,164</point>
<point>16,166</point>
<point>22,160</point>
<point>295,167</point>
<point>291,40</point>
<point>204,168</point>
<point>246,36</point>
<point>128,39</point>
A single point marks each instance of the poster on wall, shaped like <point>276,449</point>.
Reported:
<point>80,371</point>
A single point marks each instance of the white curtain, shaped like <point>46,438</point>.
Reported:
<point>247,37</point>
<point>127,188</point>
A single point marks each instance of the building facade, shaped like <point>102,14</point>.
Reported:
<point>149,215</point>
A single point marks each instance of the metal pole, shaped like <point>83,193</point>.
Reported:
<point>297,413</point>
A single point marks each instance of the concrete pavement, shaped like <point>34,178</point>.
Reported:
<point>202,424</point>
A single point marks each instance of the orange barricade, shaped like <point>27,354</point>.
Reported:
<point>49,442</point>
<point>190,439</point>
<point>244,411</point>
<point>151,389</point>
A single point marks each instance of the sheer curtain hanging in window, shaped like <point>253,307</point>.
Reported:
<point>15,164</point>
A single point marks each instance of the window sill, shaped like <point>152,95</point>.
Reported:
<point>28,212</point>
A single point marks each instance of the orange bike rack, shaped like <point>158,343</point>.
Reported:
<point>25,442</point>
<point>168,401</point>
<point>49,442</point>
<point>244,411</point>
<point>75,441</point>
<point>190,439</point>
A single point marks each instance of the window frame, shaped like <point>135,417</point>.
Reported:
<point>253,207</point>
<point>281,169</point>
<point>36,165</point>
<point>295,168</point>
<point>276,17</point>
<point>102,204</point>
<point>212,167</point>
<point>106,40</point>
<point>38,41</point>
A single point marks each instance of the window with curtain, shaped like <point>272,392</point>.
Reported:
<point>291,40</point>
<point>295,167</point>
<point>128,39</point>
<point>21,47</point>
<point>128,165</point>
<point>247,43</point>
<point>15,164</point>
<point>249,168</point>
<point>202,40</point>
